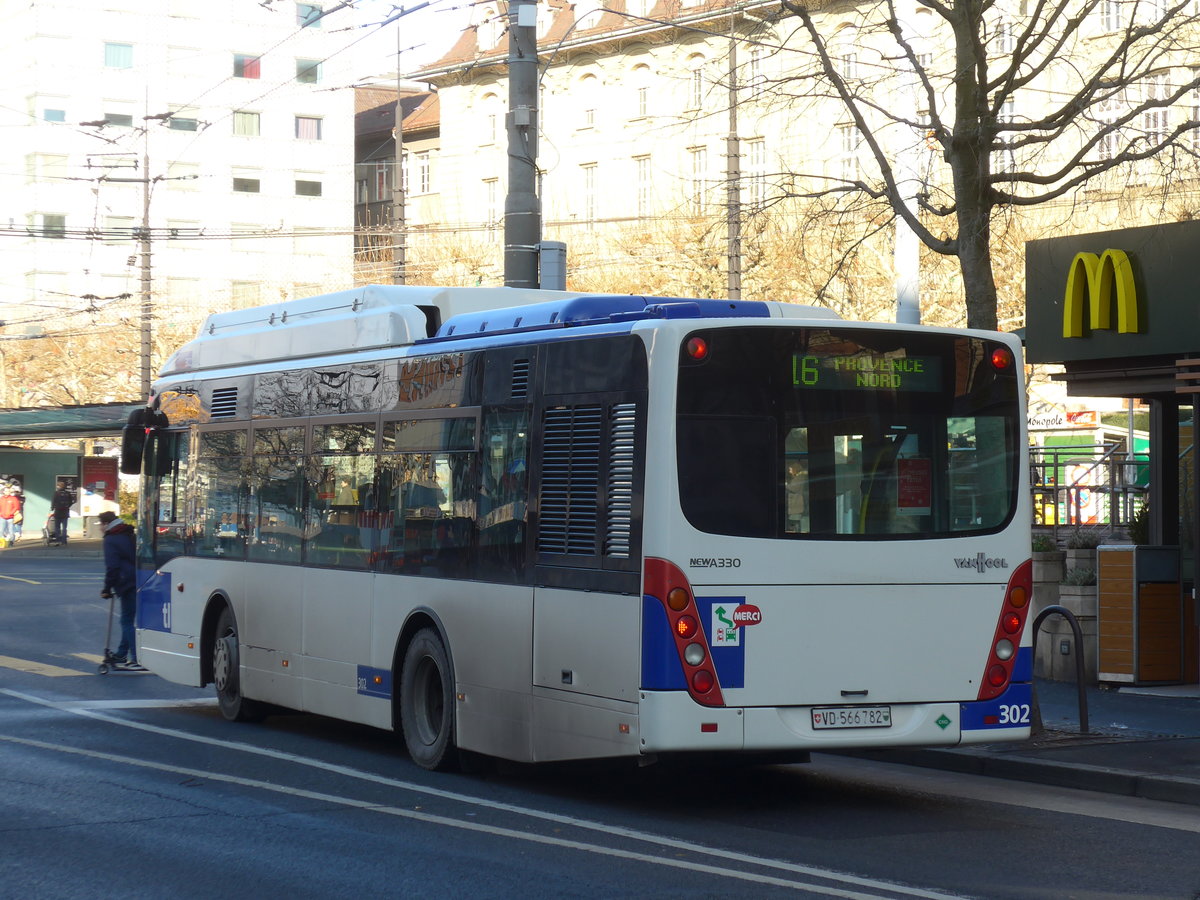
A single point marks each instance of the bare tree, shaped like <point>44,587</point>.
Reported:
<point>1025,104</point>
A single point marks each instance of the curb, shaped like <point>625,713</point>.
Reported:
<point>1078,776</point>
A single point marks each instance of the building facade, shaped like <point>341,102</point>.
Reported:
<point>227,127</point>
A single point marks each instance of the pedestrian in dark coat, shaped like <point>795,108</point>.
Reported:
<point>120,578</point>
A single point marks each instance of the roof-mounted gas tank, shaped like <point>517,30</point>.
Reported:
<point>601,309</point>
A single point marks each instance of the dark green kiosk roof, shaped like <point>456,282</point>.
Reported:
<point>47,422</point>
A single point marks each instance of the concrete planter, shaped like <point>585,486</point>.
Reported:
<point>1048,566</point>
<point>1080,559</point>
<point>1056,636</point>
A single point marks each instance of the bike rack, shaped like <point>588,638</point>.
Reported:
<point>1079,672</point>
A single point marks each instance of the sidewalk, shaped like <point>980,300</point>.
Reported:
<point>33,547</point>
<point>1142,742</point>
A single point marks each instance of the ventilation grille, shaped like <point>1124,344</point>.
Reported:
<point>618,535</point>
<point>569,502</point>
<point>223,404</point>
<point>520,379</point>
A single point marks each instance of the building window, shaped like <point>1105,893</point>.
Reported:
<point>308,71</point>
<point>696,86</point>
<point>1108,112</point>
<point>756,172</point>
<point>642,176</point>
<point>308,15</point>
<point>491,200</point>
<point>1110,15</point>
<point>1155,95</point>
<point>118,56</point>
<point>118,120</point>
<point>424,180</point>
<point>308,188</point>
<point>699,161</point>
<point>53,225</point>
<point>849,140</point>
<point>246,66</point>
<point>183,123</point>
<point>118,229</point>
<point>247,185</point>
<point>246,124</point>
<point>383,189</point>
<point>308,128</point>
<point>1006,39</point>
<point>54,115</point>
<point>588,173</point>
<point>755,78</point>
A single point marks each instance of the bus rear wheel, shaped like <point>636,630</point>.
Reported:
<point>427,702</point>
<point>227,678</point>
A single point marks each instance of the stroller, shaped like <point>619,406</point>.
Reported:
<point>50,534</point>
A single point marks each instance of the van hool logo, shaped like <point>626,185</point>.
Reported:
<point>980,562</point>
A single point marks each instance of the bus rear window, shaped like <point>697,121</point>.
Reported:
<point>847,433</point>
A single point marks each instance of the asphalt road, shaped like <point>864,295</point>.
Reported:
<point>127,785</point>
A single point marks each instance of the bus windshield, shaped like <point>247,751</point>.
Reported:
<point>846,433</point>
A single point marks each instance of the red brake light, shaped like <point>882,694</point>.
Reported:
<point>703,681</point>
<point>697,348</point>
<point>997,676</point>
<point>1002,358</point>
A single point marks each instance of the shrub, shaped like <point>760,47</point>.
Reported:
<point>1139,525</point>
<point>1080,576</point>
<point>1043,543</point>
<point>1083,540</point>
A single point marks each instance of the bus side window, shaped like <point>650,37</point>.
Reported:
<point>170,450</point>
<point>216,528</point>
<point>503,494</point>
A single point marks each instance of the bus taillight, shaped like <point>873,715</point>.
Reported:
<point>666,583</point>
<point>1002,657</point>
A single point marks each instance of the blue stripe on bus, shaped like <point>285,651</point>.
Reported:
<point>661,668</point>
<point>154,600</point>
<point>1011,709</point>
<point>730,661</point>
<point>375,682</point>
<point>1023,667</point>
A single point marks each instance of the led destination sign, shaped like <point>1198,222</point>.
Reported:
<point>866,371</point>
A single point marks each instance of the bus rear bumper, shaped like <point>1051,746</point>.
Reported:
<point>671,721</point>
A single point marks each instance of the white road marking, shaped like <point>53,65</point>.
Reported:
<point>733,857</point>
<point>1048,798</point>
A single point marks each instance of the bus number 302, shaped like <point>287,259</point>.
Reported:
<point>1014,714</point>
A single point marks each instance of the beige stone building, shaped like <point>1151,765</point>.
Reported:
<point>642,166</point>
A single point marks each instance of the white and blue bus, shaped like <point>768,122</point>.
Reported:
<point>546,526</point>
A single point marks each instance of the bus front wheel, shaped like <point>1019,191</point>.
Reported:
<point>227,676</point>
<point>427,702</point>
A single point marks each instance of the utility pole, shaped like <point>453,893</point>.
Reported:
<point>399,248</point>
<point>733,177</point>
<point>522,214</point>
<point>146,341</point>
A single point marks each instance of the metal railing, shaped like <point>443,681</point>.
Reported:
<point>1096,486</point>
<point>1079,662</point>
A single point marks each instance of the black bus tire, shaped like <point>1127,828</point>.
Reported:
<point>427,702</point>
<point>227,674</point>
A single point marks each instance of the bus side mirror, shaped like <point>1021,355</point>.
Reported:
<point>160,452</point>
<point>133,443</point>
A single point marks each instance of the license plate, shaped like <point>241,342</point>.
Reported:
<point>852,717</point>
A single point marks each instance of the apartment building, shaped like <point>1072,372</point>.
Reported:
<point>226,126</point>
<point>660,121</point>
